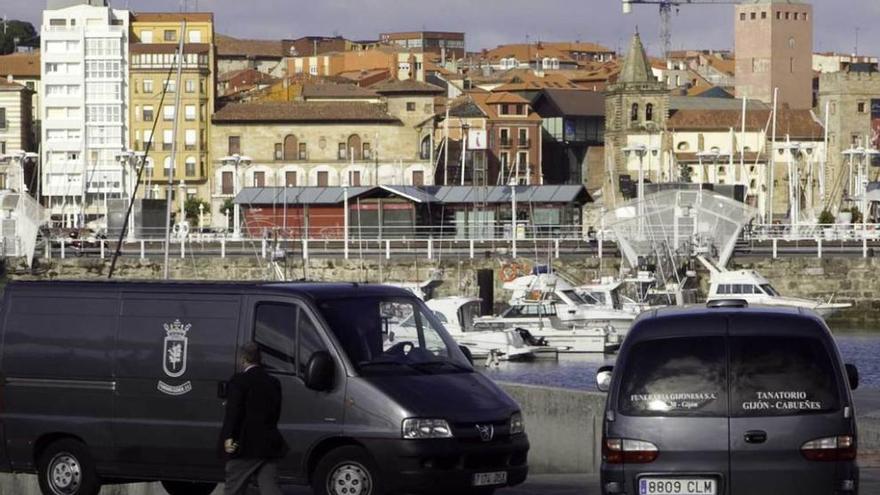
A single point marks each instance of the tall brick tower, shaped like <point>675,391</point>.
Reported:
<point>774,49</point>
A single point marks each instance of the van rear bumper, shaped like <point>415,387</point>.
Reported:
<point>448,465</point>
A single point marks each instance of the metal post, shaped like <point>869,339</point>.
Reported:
<point>236,208</point>
<point>387,249</point>
<point>513,218</point>
<point>345,221</point>
<point>774,248</point>
<point>864,244</point>
<point>183,247</point>
<point>143,250</point>
<point>223,248</point>
<point>102,248</point>
<point>305,250</point>
<point>819,248</point>
<point>263,248</point>
<point>63,243</point>
<point>178,90</point>
<point>472,248</point>
<point>48,249</point>
<point>556,241</point>
<point>430,248</point>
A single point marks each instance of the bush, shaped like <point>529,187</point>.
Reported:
<point>856,215</point>
<point>826,218</point>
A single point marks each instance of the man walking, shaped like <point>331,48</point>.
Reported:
<point>250,435</point>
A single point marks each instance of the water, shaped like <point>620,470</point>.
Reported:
<point>579,371</point>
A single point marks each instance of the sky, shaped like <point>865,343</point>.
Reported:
<point>488,23</point>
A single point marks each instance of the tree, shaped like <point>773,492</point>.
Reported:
<point>684,171</point>
<point>10,30</point>
<point>826,217</point>
<point>192,209</point>
<point>229,204</point>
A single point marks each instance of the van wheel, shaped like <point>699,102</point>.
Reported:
<point>347,471</point>
<point>188,488</point>
<point>65,467</point>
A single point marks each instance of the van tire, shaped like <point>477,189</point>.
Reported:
<point>66,467</point>
<point>348,464</point>
<point>188,488</point>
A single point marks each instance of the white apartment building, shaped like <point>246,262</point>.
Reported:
<point>85,107</point>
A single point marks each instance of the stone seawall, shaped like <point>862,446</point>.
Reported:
<point>854,280</point>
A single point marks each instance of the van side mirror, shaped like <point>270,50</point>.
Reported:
<point>852,374</point>
<point>320,372</point>
<point>603,378</point>
<point>467,353</point>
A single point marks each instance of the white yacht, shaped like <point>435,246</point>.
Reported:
<point>550,310</point>
<point>751,287</point>
<point>457,315</point>
<point>606,293</point>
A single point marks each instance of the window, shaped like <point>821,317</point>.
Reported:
<point>523,137</point>
<point>2,118</point>
<point>778,16</point>
<point>505,137</point>
<point>167,139</point>
<point>366,151</point>
<point>309,341</point>
<point>190,112</point>
<point>410,106</point>
<point>259,179</point>
<point>148,86</point>
<point>168,113</point>
<point>279,151</point>
<point>323,178</point>
<point>676,377</point>
<point>634,113</point>
<point>289,153</point>
<point>234,147</point>
<point>354,146</point>
<point>418,178</point>
<point>781,376</point>
<point>191,136</point>
<point>753,16</point>
<point>171,86</point>
<point>522,158</point>
<point>170,35</point>
<point>58,22</point>
<point>792,43</point>
<point>148,113</point>
<point>190,85</point>
<point>425,149</point>
<point>104,113</point>
<point>342,154</point>
<point>649,112</point>
<point>303,152</point>
<point>354,178</point>
<point>195,36</point>
<point>227,183</point>
<point>290,179</point>
<point>103,69</point>
<point>764,15</point>
<point>167,166</point>
<point>275,333</point>
<point>190,166</point>
<point>862,107</point>
<point>788,16</point>
<point>146,36</point>
<point>504,159</point>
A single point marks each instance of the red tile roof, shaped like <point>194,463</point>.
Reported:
<point>20,65</point>
<point>795,123</point>
<point>172,17</point>
<point>408,86</point>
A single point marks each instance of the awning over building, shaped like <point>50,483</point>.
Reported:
<point>576,195</point>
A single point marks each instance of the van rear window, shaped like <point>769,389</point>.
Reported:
<point>781,376</point>
<point>675,377</point>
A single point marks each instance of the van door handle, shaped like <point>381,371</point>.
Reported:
<point>756,436</point>
<point>222,390</point>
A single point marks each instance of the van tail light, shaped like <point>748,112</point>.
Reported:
<point>627,451</point>
<point>830,449</point>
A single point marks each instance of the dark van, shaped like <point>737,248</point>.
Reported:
<point>729,400</point>
<point>125,382</point>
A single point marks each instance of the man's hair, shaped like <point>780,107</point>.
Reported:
<point>251,354</point>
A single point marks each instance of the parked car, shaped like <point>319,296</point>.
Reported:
<point>729,400</point>
<point>115,382</point>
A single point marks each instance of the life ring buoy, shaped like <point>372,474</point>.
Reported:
<point>509,272</point>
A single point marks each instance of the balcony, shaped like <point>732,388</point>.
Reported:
<point>524,143</point>
<point>505,142</point>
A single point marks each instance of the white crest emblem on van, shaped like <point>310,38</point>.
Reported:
<point>175,349</point>
<point>487,432</point>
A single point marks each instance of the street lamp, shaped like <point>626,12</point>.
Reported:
<point>20,157</point>
<point>236,160</point>
<point>131,161</point>
<point>640,150</point>
<point>513,233</point>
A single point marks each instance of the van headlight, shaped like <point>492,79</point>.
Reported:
<point>419,429</point>
<point>517,425</point>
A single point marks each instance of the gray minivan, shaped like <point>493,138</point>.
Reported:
<point>729,400</point>
<point>118,382</point>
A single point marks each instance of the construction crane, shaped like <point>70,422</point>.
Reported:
<point>666,7</point>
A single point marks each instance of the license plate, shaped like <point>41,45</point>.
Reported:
<point>677,486</point>
<point>490,479</point>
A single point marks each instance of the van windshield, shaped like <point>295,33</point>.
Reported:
<point>392,336</point>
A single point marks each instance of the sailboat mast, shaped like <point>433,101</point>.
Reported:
<point>170,189</point>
